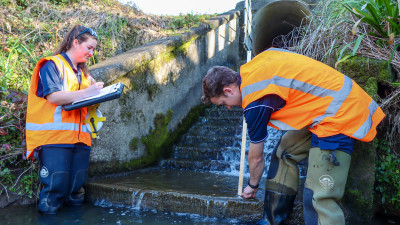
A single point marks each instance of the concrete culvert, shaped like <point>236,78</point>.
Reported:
<point>274,19</point>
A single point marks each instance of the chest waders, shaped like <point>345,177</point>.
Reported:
<point>283,181</point>
<point>63,173</point>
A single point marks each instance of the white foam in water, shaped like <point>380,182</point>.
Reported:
<point>139,201</point>
<point>270,143</point>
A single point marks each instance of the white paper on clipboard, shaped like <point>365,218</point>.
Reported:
<point>104,91</point>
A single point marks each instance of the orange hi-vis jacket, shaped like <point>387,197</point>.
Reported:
<point>48,123</point>
<point>316,95</point>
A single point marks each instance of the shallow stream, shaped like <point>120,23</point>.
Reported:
<point>103,213</point>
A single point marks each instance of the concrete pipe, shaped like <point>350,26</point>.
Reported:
<point>274,19</point>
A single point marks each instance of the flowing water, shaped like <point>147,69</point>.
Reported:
<point>197,185</point>
<point>104,213</point>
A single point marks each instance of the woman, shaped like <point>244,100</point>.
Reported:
<point>57,138</point>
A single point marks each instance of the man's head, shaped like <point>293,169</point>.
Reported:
<point>221,87</point>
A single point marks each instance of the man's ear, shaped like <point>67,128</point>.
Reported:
<point>228,90</point>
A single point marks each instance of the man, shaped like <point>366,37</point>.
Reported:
<point>292,92</point>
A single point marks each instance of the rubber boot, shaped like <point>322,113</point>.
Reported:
<point>277,207</point>
<point>79,175</point>
<point>54,176</point>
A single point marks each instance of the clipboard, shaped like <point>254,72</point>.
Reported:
<point>106,94</point>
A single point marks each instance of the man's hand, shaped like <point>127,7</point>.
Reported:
<point>256,166</point>
<point>249,192</point>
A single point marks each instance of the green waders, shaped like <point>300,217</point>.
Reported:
<point>283,180</point>
<point>324,186</point>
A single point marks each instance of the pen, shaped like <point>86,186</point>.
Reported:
<point>92,81</point>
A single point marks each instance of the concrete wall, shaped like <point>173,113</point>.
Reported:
<point>159,76</point>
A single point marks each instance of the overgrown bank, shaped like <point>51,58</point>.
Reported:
<point>31,29</point>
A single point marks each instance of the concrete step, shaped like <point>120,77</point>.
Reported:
<point>183,191</point>
<point>212,129</point>
<point>201,165</point>
<point>206,153</point>
<point>222,121</point>
<point>202,193</point>
<point>212,141</point>
<point>222,111</point>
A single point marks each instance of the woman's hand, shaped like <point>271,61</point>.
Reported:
<point>94,89</point>
<point>66,97</point>
<point>249,192</point>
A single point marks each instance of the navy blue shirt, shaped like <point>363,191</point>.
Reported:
<point>258,114</point>
<point>50,81</point>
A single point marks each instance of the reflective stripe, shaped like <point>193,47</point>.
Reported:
<point>56,126</point>
<point>57,115</point>
<point>289,83</point>
<point>338,98</point>
<point>64,81</point>
<point>85,129</point>
<point>366,126</point>
<point>281,125</point>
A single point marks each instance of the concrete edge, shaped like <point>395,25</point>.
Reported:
<point>117,66</point>
<point>220,207</point>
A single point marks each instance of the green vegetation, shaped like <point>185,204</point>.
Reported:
<point>32,29</point>
<point>381,15</point>
<point>187,21</point>
<point>388,175</point>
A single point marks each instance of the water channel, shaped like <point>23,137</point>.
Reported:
<point>104,213</point>
<point>206,168</point>
<point>197,185</point>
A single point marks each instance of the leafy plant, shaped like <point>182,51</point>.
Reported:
<point>15,65</point>
<point>381,15</point>
<point>388,176</point>
<point>353,53</point>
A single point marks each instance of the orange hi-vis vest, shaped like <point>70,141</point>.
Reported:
<point>48,123</point>
<point>316,95</point>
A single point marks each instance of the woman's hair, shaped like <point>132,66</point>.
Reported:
<point>80,33</point>
<point>215,80</point>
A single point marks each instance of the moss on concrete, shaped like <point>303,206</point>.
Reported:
<point>366,72</point>
<point>358,196</point>
<point>157,136</point>
<point>139,79</point>
<point>158,143</point>
<point>361,207</point>
<point>134,143</point>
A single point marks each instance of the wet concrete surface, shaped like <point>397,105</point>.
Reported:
<point>184,191</point>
